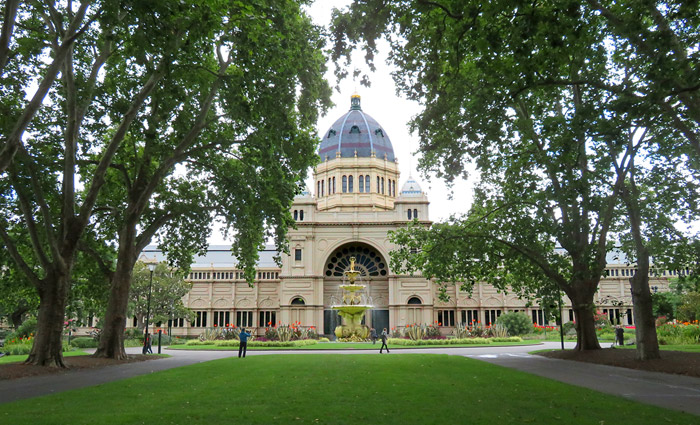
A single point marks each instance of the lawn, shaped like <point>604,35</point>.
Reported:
<point>691,348</point>
<point>337,389</point>
<point>348,346</point>
<point>23,357</point>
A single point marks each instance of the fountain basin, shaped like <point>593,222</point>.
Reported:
<point>351,309</point>
<point>353,288</point>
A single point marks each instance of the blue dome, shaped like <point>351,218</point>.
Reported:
<point>356,132</point>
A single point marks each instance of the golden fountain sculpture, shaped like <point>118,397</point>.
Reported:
<point>352,309</point>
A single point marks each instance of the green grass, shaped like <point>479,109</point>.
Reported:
<point>691,348</point>
<point>23,357</point>
<point>337,389</point>
<point>345,346</point>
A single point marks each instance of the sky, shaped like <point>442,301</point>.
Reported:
<point>382,103</point>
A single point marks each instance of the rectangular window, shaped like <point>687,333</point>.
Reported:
<point>268,318</point>
<point>297,254</point>
<point>345,184</point>
<point>222,318</point>
<point>362,184</point>
<point>571,315</point>
<point>177,323</point>
<point>377,184</point>
<point>446,317</point>
<point>490,316</point>
<point>629,316</point>
<point>382,185</point>
<point>333,184</point>
<point>350,186</point>
<point>539,318</point>
<point>244,319</point>
<point>367,183</point>
<point>470,317</point>
<point>200,320</point>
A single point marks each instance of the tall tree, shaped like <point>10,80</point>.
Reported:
<point>535,97</point>
<point>166,293</point>
<point>117,63</point>
<point>237,119</point>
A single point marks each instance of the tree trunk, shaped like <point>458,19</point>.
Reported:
<point>48,342</point>
<point>582,304</point>
<point>112,338</point>
<point>645,329</point>
<point>16,316</point>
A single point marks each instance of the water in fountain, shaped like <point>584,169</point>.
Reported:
<point>352,304</point>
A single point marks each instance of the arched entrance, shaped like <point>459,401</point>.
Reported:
<point>374,271</point>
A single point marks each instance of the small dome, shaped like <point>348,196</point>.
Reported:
<point>304,193</point>
<point>411,188</point>
<point>356,134</point>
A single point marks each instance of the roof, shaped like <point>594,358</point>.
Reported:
<point>354,132</point>
<point>411,188</point>
<point>217,256</point>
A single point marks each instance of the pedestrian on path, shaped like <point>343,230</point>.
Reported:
<point>243,346</point>
<point>620,335</point>
<point>147,349</point>
<point>373,335</point>
<point>384,336</point>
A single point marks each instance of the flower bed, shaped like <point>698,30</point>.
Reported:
<point>454,341</point>
<point>251,344</point>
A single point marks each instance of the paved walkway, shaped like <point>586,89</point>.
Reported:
<point>670,391</point>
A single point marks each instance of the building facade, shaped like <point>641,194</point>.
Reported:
<point>358,199</point>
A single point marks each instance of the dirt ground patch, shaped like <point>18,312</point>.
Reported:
<point>677,362</point>
<point>21,370</point>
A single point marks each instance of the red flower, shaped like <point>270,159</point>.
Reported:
<point>214,324</point>
<point>440,324</point>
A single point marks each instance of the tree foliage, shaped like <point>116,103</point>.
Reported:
<point>167,292</point>
<point>149,86</point>
<point>545,101</point>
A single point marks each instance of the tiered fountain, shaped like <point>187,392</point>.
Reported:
<point>351,308</point>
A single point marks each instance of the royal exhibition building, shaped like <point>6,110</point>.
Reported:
<point>358,198</point>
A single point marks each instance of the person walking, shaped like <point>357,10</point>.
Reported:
<point>147,349</point>
<point>384,337</point>
<point>620,335</point>
<point>373,335</point>
<point>243,346</point>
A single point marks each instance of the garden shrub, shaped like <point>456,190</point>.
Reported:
<point>84,342</point>
<point>569,327</point>
<point>26,329</point>
<point>498,331</point>
<point>516,323</point>
<point>324,339</point>
<point>455,341</point>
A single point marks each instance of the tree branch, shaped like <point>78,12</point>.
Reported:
<point>8,26</point>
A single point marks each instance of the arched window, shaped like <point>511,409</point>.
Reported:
<point>367,183</point>
<point>345,184</point>
<point>333,184</point>
<point>382,185</point>
<point>298,301</point>
<point>350,184</point>
<point>362,183</point>
<point>329,186</point>
<point>322,191</point>
<point>296,215</point>
<point>394,187</point>
<point>377,184</point>
<point>301,215</point>
<point>367,261</point>
<point>414,300</point>
<point>415,213</point>
<point>318,188</point>
<point>410,214</point>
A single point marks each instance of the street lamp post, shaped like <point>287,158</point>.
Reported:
<point>151,267</point>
